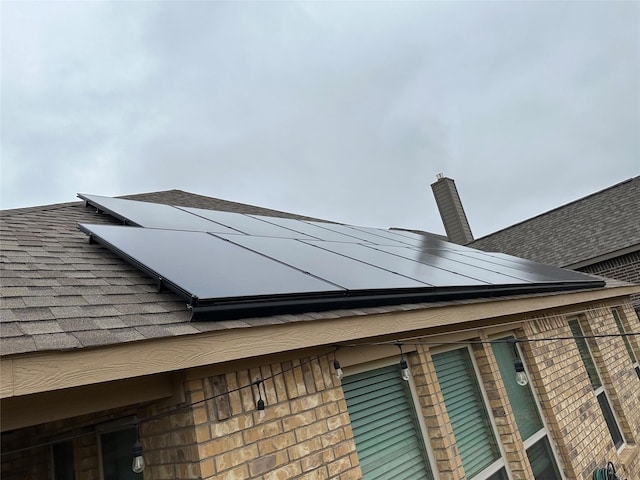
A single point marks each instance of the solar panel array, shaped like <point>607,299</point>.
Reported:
<point>231,264</point>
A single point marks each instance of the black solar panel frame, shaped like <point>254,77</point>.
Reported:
<point>248,305</point>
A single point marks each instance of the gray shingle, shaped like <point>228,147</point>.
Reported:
<point>54,301</point>
<point>56,341</point>
<point>92,338</point>
<point>77,324</point>
<point>33,313</point>
<point>12,302</point>
<point>40,327</point>
<point>603,222</point>
<point>14,345</point>
<point>10,329</point>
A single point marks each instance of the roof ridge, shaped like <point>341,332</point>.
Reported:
<point>628,180</point>
<point>39,208</point>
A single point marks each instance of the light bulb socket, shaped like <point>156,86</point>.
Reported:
<point>260,404</point>
<point>137,449</point>
<point>403,364</point>
<point>518,365</point>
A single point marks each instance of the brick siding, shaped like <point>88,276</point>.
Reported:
<point>306,432</point>
<point>625,268</point>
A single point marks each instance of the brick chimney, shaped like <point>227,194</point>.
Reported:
<point>453,217</point>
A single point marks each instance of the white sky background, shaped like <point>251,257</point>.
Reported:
<point>343,111</point>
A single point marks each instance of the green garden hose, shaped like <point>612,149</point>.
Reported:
<point>608,473</point>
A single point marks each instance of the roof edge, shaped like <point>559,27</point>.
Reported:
<point>40,208</point>
<point>602,258</point>
<point>554,209</point>
<point>30,373</point>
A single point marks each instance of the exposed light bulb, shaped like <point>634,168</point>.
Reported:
<point>521,375</point>
<point>138,460</point>
<point>521,379</point>
<point>405,369</point>
<point>339,372</point>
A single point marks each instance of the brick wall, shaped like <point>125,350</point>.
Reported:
<point>624,267</point>
<point>575,421</point>
<point>305,433</point>
<point>213,431</point>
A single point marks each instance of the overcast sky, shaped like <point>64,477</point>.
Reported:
<point>343,111</point>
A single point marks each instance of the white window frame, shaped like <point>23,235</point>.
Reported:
<point>615,312</point>
<point>601,390</point>
<point>544,431</point>
<point>501,462</point>
<point>385,362</point>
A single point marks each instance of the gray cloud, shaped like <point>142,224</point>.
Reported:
<point>344,111</point>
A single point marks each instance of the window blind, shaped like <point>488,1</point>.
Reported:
<point>388,439</point>
<point>465,406</point>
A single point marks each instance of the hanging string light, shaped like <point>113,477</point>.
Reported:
<point>336,366</point>
<point>260,402</point>
<point>521,375</point>
<point>404,366</point>
<point>137,465</point>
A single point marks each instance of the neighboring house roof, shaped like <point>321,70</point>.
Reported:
<point>585,231</point>
<point>58,291</point>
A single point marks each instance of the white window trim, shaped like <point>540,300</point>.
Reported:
<point>544,431</point>
<point>601,389</point>
<point>622,318</point>
<point>500,462</point>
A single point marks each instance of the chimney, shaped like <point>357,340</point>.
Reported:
<point>453,217</point>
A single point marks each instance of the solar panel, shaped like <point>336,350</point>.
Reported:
<point>410,238</point>
<point>315,230</point>
<point>377,238</point>
<point>232,265</point>
<point>340,270</point>
<point>429,274</point>
<point>246,224</point>
<point>544,273</point>
<point>153,215</point>
<point>454,262</point>
<point>204,266</point>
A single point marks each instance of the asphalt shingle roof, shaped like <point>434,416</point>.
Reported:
<point>59,292</point>
<point>603,222</point>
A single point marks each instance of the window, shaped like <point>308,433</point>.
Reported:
<point>594,377</point>
<point>386,429</point>
<point>627,343</point>
<point>63,466</point>
<point>116,450</point>
<point>528,419</point>
<point>472,428</point>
